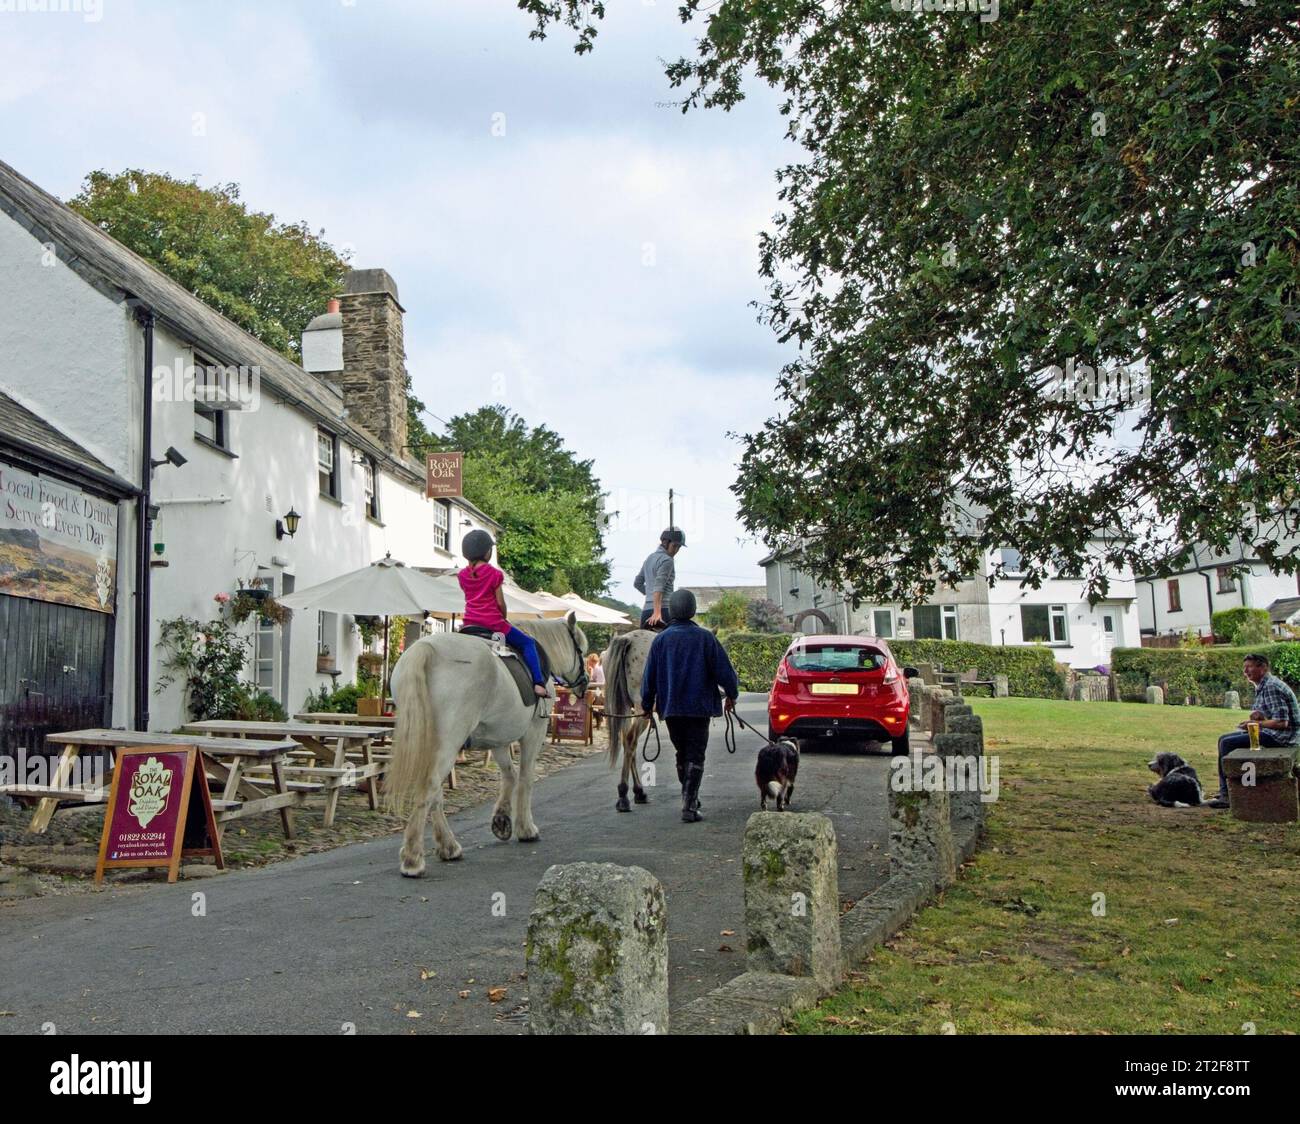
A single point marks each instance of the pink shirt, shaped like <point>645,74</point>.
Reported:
<point>479,584</point>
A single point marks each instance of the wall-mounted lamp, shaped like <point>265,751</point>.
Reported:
<point>172,456</point>
<point>288,525</point>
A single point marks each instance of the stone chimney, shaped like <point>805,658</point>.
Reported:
<point>373,381</point>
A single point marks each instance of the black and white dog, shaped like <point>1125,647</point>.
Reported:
<point>1178,786</point>
<point>778,765</point>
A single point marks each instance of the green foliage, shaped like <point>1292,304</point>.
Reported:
<point>341,700</point>
<point>973,212</point>
<point>269,277</point>
<point>1242,627</point>
<point>1031,671</point>
<point>1203,673</point>
<point>755,655</point>
<point>728,612</point>
<point>598,636</point>
<point>209,657</point>
<point>764,615</point>
<point>255,706</point>
<point>548,502</point>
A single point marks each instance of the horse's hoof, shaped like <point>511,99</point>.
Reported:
<point>534,838</point>
<point>641,798</point>
<point>415,870</point>
<point>501,826</point>
<point>452,855</point>
<point>623,805</point>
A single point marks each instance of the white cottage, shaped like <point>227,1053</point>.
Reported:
<point>151,450</point>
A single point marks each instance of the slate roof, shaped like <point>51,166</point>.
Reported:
<point>23,429</point>
<point>99,257</point>
<point>1283,609</point>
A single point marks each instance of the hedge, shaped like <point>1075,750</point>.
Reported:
<point>1203,674</point>
<point>1242,626</point>
<point>1031,671</point>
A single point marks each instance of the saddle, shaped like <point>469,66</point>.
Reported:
<point>514,664</point>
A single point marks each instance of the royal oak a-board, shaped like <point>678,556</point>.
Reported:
<point>159,811</point>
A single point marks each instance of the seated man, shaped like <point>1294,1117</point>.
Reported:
<point>1276,711</point>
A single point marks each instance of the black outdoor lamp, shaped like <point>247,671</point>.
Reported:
<point>288,525</point>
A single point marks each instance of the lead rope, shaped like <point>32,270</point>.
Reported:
<point>644,745</point>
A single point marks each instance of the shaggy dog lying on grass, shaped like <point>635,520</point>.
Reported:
<point>1178,786</point>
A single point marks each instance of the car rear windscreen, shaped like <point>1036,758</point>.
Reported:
<point>836,657</point>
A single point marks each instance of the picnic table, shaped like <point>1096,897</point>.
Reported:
<point>389,720</point>
<point>221,756</point>
<point>968,678</point>
<point>330,742</point>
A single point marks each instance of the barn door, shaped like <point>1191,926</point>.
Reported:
<point>55,663</point>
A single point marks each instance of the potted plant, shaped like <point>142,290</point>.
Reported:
<point>370,702</point>
<point>324,661</point>
<point>255,589</point>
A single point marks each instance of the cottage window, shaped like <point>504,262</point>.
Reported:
<point>1227,583</point>
<point>327,449</point>
<point>934,622</point>
<point>1011,561</point>
<point>442,524</point>
<point>209,423</point>
<point>370,477</point>
<point>883,623</point>
<point>1175,596</point>
<point>1044,624</point>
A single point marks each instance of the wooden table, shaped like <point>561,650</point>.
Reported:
<point>221,756</point>
<point>328,717</point>
<point>331,742</point>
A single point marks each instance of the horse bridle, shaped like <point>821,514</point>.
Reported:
<point>582,680</point>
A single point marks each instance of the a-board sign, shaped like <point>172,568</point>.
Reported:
<point>159,811</point>
<point>443,475</point>
<point>571,717</point>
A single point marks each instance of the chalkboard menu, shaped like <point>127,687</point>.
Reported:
<point>159,810</point>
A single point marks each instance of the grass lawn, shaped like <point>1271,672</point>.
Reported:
<point>1201,924</point>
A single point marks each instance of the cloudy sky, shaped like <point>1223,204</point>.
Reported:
<point>565,242</point>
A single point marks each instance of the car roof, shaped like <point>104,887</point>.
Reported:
<point>841,638</point>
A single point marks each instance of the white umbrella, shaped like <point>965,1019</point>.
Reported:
<point>384,588</point>
<point>590,612</point>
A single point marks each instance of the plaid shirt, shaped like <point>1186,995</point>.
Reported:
<point>1274,699</point>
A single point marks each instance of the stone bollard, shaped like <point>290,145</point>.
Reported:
<point>1155,696</point>
<point>921,848</point>
<point>969,772</point>
<point>916,693</point>
<point>1231,700</point>
<point>1078,693</point>
<point>792,898</point>
<point>598,952</point>
<point>940,698</point>
<point>1001,687</point>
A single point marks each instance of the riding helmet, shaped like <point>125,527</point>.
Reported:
<point>673,534</point>
<point>476,545</point>
<point>681,605</point>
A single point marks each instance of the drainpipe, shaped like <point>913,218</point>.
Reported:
<point>144,530</point>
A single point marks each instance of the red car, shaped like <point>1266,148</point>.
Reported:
<point>840,686</point>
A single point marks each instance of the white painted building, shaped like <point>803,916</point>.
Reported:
<point>1209,582</point>
<point>979,610</point>
<point>78,313</point>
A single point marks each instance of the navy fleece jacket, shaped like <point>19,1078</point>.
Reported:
<point>684,671</point>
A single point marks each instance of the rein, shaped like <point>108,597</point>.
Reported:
<point>654,725</point>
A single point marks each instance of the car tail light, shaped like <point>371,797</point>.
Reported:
<point>891,676</point>
<point>782,673</point>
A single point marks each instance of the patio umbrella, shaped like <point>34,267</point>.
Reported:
<point>387,588</point>
<point>589,612</point>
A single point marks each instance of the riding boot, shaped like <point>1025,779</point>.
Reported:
<point>690,794</point>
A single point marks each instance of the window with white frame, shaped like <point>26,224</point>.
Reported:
<point>1044,624</point>
<point>209,422</point>
<point>882,623</point>
<point>934,622</point>
<point>1227,582</point>
<point>327,457</point>
<point>370,486</point>
<point>441,524</point>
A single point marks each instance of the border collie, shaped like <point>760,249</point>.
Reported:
<point>778,765</point>
<point>1178,786</point>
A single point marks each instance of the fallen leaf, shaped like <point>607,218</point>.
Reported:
<point>427,973</point>
<point>725,948</point>
<point>496,994</point>
<point>1125,951</point>
<point>727,933</point>
<point>1171,920</point>
<point>414,1015</point>
<point>463,994</point>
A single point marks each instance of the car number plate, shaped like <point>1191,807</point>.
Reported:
<point>834,688</point>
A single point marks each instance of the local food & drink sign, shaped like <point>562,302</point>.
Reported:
<point>159,810</point>
<point>571,717</point>
<point>57,543</point>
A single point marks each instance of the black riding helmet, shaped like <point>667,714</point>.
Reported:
<point>477,546</point>
<point>681,605</point>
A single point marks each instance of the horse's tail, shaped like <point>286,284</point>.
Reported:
<point>618,696</point>
<point>410,772</point>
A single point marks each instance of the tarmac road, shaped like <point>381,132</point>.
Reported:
<point>318,943</point>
